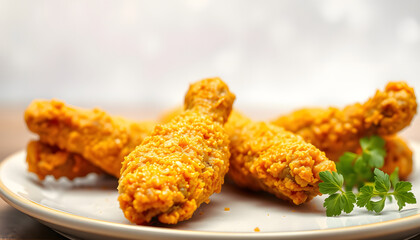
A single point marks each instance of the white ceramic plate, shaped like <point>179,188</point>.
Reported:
<point>88,208</point>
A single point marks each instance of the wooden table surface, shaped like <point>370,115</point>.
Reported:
<point>14,136</point>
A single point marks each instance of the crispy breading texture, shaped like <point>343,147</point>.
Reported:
<point>45,160</point>
<point>336,131</point>
<point>101,139</point>
<point>266,157</point>
<point>398,153</point>
<point>183,162</point>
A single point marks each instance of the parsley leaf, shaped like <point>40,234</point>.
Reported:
<point>336,202</point>
<point>382,182</point>
<point>365,194</point>
<point>402,194</point>
<point>373,142</point>
<point>361,170</point>
<point>373,150</point>
<point>394,177</point>
<point>377,206</point>
<point>339,202</point>
<point>345,167</point>
<point>358,168</point>
<point>332,204</point>
<point>348,199</point>
<point>381,189</point>
<point>332,182</point>
<point>403,187</point>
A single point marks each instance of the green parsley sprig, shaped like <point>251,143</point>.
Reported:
<point>361,171</point>
<point>358,168</point>
<point>336,202</point>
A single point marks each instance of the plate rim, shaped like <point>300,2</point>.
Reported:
<point>114,229</point>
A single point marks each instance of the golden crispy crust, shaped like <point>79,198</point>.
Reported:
<point>266,157</point>
<point>302,121</point>
<point>336,131</point>
<point>182,162</point>
<point>101,139</point>
<point>45,160</point>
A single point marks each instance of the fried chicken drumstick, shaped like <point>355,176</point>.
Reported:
<point>398,155</point>
<point>45,160</point>
<point>336,131</point>
<point>182,162</point>
<point>319,132</point>
<point>93,134</point>
<point>267,157</point>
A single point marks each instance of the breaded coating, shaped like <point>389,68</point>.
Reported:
<point>336,131</point>
<point>267,157</point>
<point>182,162</point>
<point>96,136</point>
<point>398,154</point>
<point>45,160</point>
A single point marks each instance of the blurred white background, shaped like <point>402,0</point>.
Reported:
<point>143,54</point>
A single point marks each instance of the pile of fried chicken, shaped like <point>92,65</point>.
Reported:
<point>167,168</point>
